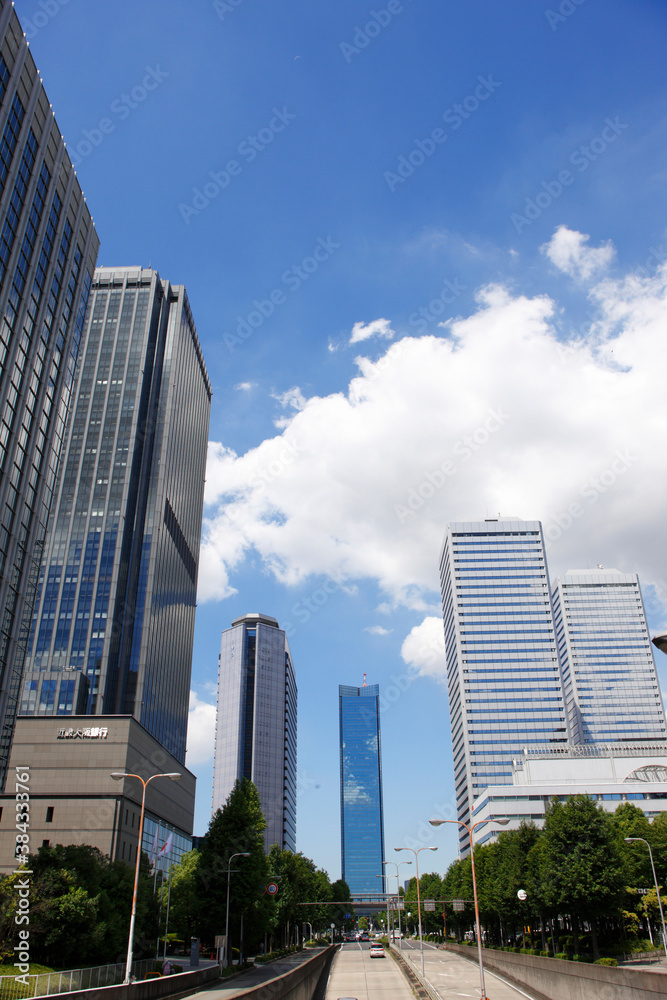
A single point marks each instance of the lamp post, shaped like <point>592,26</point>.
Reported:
<point>118,776</point>
<point>239,854</point>
<point>419,902</point>
<point>458,822</point>
<point>397,865</point>
<point>629,840</point>
<point>660,642</point>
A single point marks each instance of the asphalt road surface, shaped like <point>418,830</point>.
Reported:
<point>453,976</point>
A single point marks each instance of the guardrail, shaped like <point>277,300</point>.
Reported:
<point>50,983</point>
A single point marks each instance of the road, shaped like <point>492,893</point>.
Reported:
<point>355,974</point>
<point>453,976</point>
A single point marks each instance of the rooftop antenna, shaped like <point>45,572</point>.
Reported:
<point>364,684</point>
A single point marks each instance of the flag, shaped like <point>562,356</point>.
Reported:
<point>167,846</point>
<point>154,847</point>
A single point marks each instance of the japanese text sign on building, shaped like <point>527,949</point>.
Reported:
<point>95,733</point>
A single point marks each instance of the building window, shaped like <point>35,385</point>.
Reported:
<point>46,843</point>
<point>49,814</point>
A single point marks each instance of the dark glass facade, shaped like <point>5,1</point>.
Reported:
<point>113,624</point>
<point>256,719</point>
<point>362,823</point>
<point>48,248</point>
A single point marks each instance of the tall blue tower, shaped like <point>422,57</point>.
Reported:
<point>362,821</point>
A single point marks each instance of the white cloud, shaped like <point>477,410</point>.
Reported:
<point>424,649</point>
<point>378,328</point>
<point>245,386</point>
<point>378,630</point>
<point>496,414</point>
<point>568,251</point>
<point>201,732</point>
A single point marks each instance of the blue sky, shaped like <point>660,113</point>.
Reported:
<point>424,245</point>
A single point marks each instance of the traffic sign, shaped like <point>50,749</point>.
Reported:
<point>272,888</point>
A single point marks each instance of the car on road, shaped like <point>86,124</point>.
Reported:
<point>377,951</point>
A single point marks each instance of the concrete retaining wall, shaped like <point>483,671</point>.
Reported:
<point>298,984</point>
<point>149,989</point>
<point>559,979</point>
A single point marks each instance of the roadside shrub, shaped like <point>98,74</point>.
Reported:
<point>606,961</point>
<point>560,954</point>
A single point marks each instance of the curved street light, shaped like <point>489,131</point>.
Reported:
<point>118,776</point>
<point>630,840</point>
<point>481,822</point>
<point>419,902</point>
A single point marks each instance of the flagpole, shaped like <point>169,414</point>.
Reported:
<point>157,947</point>
<point>166,924</point>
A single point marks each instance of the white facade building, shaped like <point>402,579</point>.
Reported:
<point>609,774</point>
<point>255,733</point>
<point>609,677</point>
<point>503,674</point>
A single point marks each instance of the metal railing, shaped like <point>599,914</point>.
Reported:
<point>50,983</point>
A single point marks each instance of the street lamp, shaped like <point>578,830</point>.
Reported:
<point>419,902</point>
<point>397,865</point>
<point>239,854</point>
<point>481,822</point>
<point>118,776</point>
<point>629,840</point>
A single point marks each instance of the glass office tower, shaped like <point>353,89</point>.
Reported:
<point>610,683</point>
<point>255,734</point>
<point>361,812</point>
<point>48,248</point>
<point>503,676</point>
<point>113,624</point>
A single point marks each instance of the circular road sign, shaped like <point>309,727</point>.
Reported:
<point>522,894</point>
<point>272,888</point>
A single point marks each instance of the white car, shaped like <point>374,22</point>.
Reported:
<point>377,951</point>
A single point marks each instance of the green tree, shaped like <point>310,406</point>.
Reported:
<point>582,871</point>
<point>237,828</point>
<point>183,900</point>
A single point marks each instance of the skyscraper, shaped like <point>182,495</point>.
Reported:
<point>113,623</point>
<point>255,734</point>
<point>361,812</point>
<point>503,676</point>
<point>610,683</point>
<point>48,248</point>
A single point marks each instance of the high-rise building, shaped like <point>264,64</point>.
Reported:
<point>255,733</point>
<point>610,682</point>
<point>113,623</point>
<point>503,676</point>
<point>48,248</point>
<point>361,811</point>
